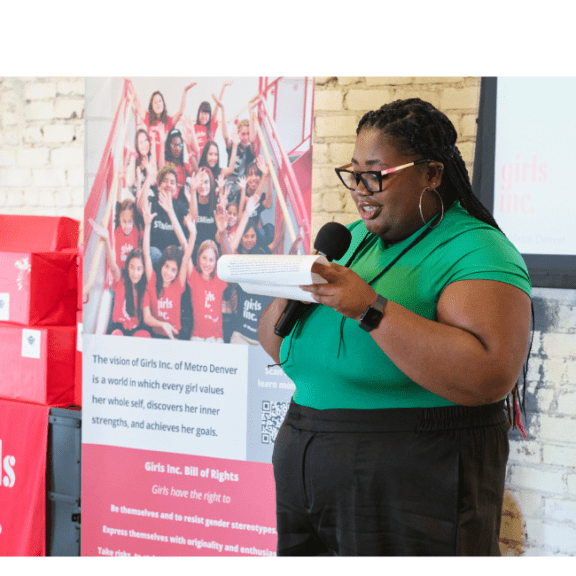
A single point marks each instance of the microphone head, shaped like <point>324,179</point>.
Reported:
<point>333,240</point>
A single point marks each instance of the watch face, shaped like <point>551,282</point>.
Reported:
<point>372,317</point>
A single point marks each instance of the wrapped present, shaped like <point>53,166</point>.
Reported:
<point>38,288</point>
<point>38,364</point>
<point>23,442</point>
<point>78,364</point>
<point>38,233</point>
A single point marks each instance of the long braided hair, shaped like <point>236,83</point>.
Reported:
<point>418,127</point>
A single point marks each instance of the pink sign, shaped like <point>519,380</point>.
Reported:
<point>175,505</point>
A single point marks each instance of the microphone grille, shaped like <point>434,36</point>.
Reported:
<point>333,240</point>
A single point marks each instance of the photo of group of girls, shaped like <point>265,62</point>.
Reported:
<point>180,205</point>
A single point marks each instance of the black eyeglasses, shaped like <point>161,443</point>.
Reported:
<point>372,179</point>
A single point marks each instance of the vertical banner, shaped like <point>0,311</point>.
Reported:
<point>181,404</point>
<point>23,478</point>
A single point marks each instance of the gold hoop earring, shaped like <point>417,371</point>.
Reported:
<point>441,203</point>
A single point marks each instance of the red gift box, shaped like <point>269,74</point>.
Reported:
<point>78,365</point>
<point>38,233</point>
<point>23,442</point>
<point>38,289</point>
<point>38,364</point>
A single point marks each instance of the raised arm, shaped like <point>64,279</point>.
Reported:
<point>265,181</point>
<point>140,110</point>
<point>251,205</point>
<point>194,185</point>
<point>178,114</point>
<point>187,264</point>
<point>110,258</point>
<point>251,109</point>
<point>165,201</point>
<point>143,193</point>
<point>235,141</point>
<point>148,217</point>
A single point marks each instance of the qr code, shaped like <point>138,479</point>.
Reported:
<point>272,417</point>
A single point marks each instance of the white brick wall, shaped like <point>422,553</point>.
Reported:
<point>42,146</point>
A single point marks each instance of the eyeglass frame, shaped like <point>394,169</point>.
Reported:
<point>380,173</point>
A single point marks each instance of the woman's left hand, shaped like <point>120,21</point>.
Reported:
<point>165,201</point>
<point>345,291</point>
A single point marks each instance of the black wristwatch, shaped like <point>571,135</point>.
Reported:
<point>373,314</point>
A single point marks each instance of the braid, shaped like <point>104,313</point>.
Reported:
<point>418,127</point>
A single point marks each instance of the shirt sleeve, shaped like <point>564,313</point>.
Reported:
<point>485,254</point>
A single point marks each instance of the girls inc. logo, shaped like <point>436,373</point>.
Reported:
<point>7,476</point>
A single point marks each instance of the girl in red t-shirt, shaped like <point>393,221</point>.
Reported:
<point>129,286</point>
<point>207,291</point>
<point>127,235</point>
<point>156,117</point>
<point>161,304</point>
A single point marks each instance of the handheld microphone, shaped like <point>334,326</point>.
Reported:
<point>332,241</point>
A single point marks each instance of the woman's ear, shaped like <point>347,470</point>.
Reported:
<point>434,172</point>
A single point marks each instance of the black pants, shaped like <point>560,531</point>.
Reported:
<point>398,482</point>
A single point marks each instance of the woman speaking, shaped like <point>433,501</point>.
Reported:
<point>395,442</point>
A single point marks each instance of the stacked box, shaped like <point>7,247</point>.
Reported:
<point>39,300</point>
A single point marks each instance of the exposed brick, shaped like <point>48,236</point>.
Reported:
<point>76,176</point>
<point>526,452</point>
<point>67,87</point>
<point>335,126</point>
<point>7,158</point>
<point>544,399</point>
<point>320,154</point>
<point>63,198</point>
<point>467,150</point>
<point>78,197</point>
<point>347,80</point>
<point>560,510</point>
<point>316,203</point>
<point>48,177</point>
<point>33,156</point>
<point>341,154</point>
<point>388,80</point>
<point>412,91</point>
<point>325,178</point>
<point>571,371</point>
<point>327,100</point>
<point>15,177</point>
<point>332,202</point>
<point>559,345</point>
<point>559,455</point>
<point>75,213</point>
<point>9,137</point>
<point>69,108</point>
<point>14,198</point>
<point>567,405</point>
<point>69,157</point>
<point>437,80</point>
<point>533,478</point>
<point>468,125</point>
<point>367,99</point>
<point>460,98</point>
<point>9,119</point>
<point>557,429</point>
<point>59,133</point>
<point>529,503</point>
<point>39,90</point>
<point>31,197</point>
<point>559,537</point>
<point>571,480</point>
<point>39,110</point>
<point>33,135</point>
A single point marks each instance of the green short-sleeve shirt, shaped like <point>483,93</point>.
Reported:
<point>352,371</point>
